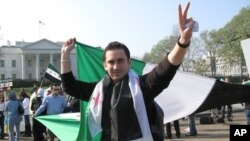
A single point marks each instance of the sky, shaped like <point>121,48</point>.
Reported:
<point>139,24</point>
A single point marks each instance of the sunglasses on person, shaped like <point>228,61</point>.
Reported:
<point>56,89</point>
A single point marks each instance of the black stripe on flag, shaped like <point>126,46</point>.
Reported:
<point>52,74</point>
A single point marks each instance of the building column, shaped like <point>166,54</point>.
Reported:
<point>51,59</point>
<point>23,66</point>
<point>37,67</point>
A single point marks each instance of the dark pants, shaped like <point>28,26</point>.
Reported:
<point>1,125</point>
<point>38,130</point>
<point>27,125</point>
<point>51,135</point>
<point>176,126</point>
<point>229,111</point>
<point>247,116</point>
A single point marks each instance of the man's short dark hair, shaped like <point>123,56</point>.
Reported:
<point>54,84</point>
<point>116,45</point>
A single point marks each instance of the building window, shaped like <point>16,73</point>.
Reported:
<point>30,76</point>
<point>42,63</point>
<point>29,63</point>
<point>54,61</point>
<point>2,63</point>
<point>2,76</point>
<point>13,63</point>
<point>14,76</point>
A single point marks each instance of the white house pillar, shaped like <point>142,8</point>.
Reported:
<point>23,66</point>
<point>51,59</point>
<point>37,67</point>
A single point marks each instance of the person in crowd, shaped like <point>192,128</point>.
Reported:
<point>6,126</point>
<point>25,99</point>
<point>124,99</point>
<point>47,92</point>
<point>177,129</point>
<point>2,106</point>
<point>33,94</point>
<point>192,131</point>
<point>14,117</point>
<point>247,105</point>
<point>38,129</point>
<point>34,88</point>
<point>53,104</point>
<point>229,107</point>
<point>73,104</point>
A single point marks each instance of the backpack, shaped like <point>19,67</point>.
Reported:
<point>20,109</point>
<point>206,120</point>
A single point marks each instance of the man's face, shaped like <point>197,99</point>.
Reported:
<point>116,64</point>
<point>55,90</point>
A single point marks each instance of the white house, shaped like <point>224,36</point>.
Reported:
<point>29,60</point>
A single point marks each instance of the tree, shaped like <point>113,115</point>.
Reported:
<point>193,56</point>
<point>211,44</point>
<point>159,51</point>
<point>231,35</point>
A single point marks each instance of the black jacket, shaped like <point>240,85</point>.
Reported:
<point>151,85</point>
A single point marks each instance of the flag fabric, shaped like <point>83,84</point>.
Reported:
<point>245,45</point>
<point>187,93</point>
<point>52,74</point>
<point>41,23</point>
<point>247,83</point>
<point>64,126</point>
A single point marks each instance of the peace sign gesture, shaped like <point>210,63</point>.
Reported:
<point>185,24</point>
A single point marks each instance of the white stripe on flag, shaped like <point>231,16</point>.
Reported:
<point>53,73</point>
<point>75,116</point>
<point>182,95</point>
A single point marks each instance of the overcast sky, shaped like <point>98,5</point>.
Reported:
<point>140,24</point>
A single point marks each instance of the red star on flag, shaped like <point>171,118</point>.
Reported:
<point>96,99</point>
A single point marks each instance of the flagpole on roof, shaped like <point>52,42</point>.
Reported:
<point>39,34</point>
<point>39,26</point>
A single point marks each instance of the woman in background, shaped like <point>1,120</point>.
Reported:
<point>14,117</point>
<point>25,100</point>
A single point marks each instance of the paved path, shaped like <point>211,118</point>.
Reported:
<point>212,132</point>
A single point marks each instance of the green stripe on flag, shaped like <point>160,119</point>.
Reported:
<point>247,83</point>
<point>89,63</point>
<point>53,68</point>
<point>66,128</point>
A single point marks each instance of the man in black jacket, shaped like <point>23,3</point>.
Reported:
<point>38,129</point>
<point>122,104</point>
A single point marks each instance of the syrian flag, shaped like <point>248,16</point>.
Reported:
<point>187,93</point>
<point>41,23</point>
<point>52,74</point>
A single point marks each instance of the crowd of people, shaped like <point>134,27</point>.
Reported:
<point>54,100</point>
<point>39,102</point>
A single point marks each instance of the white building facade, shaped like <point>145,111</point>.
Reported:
<point>29,61</point>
